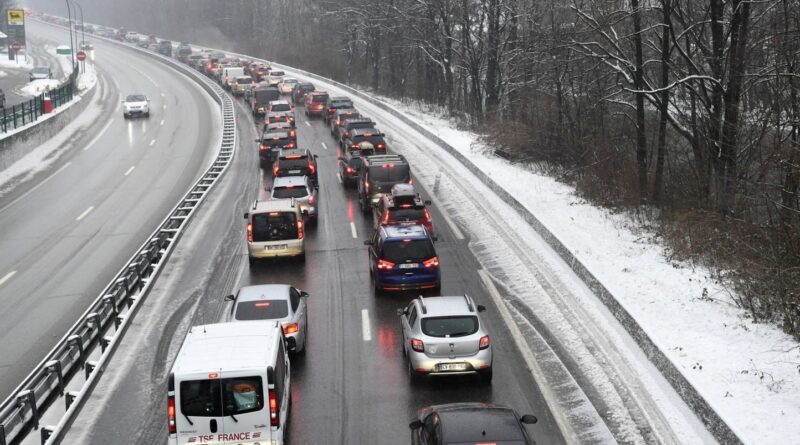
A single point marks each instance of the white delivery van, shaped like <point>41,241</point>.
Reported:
<point>230,385</point>
<point>229,74</point>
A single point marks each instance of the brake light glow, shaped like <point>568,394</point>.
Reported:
<point>263,304</point>
<point>484,343</point>
<point>406,206</point>
<point>311,167</point>
<point>293,157</point>
<point>249,233</point>
<point>300,233</point>
<point>387,165</point>
<point>290,328</point>
<point>431,262</point>
<point>274,420</point>
<point>417,345</point>
<point>331,110</point>
<point>275,170</point>
<point>290,145</point>
<point>381,146</point>
<point>173,428</point>
<point>312,199</point>
<point>213,375</point>
<point>349,169</point>
<point>385,265</point>
<point>263,147</point>
<point>427,215</point>
<point>386,217</point>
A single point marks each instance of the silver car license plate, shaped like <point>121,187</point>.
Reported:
<point>294,172</point>
<point>444,367</point>
<point>278,247</point>
<point>409,266</point>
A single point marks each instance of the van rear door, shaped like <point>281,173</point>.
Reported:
<point>245,398</point>
<point>199,409</point>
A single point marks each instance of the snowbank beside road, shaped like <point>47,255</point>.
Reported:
<point>40,86</point>
<point>22,62</point>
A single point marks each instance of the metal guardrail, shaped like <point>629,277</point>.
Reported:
<point>29,111</point>
<point>113,309</point>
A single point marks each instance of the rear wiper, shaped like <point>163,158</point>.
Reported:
<point>234,418</point>
<point>187,418</point>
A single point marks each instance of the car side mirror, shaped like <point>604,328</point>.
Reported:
<point>368,242</point>
<point>316,156</point>
<point>230,298</point>
<point>258,141</point>
<point>427,202</point>
<point>481,308</point>
<point>246,215</point>
<point>435,238</point>
<point>303,294</point>
<point>529,419</point>
<point>415,425</point>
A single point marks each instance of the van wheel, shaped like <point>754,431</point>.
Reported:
<point>251,261</point>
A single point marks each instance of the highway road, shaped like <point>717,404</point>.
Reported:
<point>68,230</point>
<point>351,385</point>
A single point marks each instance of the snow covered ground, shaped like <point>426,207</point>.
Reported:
<point>748,372</point>
<point>21,62</point>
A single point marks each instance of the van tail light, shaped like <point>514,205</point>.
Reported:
<point>417,345</point>
<point>312,199</point>
<point>366,186</point>
<point>173,428</point>
<point>311,167</point>
<point>264,147</point>
<point>386,217</point>
<point>275,170</point>
<point>349,169</point>
<point>290,328</point>
<point>385,265</point>
<point>484,343</point>
<point>432,262</point>
<point>249,233</point>
<point>381,147</point>
<point>411,180</point>
<point>274,419</point>
<point>331,110</point>
<point>300,233</point>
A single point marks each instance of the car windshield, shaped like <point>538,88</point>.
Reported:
<point>452,326</point>
<point>319,98</point>
<point>135,98</point>
<point>221,397</point>
<point>280,107</point>
<point>342,104</point>
<point>274,226</point>
<point>306,87</point>
<point>244,80</point>
<point>289,192</point>
<point>264,95</point>
<point>276,73</point>
<point>395,174</point>
<point>401,251</point>
<point>261,310</point>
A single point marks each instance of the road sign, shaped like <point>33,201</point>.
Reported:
<point>16,47</point>
<point>81,56</point>
<point>15,17</point>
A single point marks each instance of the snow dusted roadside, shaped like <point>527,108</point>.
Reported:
<point>748,373</point>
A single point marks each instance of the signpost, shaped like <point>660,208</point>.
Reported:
<point>14,27</point>
<point>16,47</point>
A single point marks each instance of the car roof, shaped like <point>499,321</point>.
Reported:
<point>448,305</point>
<point>414,231</point>
<point>293,181</point>
<point>338,98</point>
<point>364,131</point>
<point>263,292</point>
<point>274,205</point>
<point>227,347</point>
<point>305,84</point>
<point>385,159</point>
<point>403,190</point>
<point>279,102</point>
<point>478,422</point>
<point>358,120</point>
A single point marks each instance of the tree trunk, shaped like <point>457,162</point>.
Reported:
<point>664,104</point>
<point>641,137</point>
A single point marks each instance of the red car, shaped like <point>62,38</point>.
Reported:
<point>315,103</point>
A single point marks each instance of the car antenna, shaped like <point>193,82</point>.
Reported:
<point>422,303</point>
<point>469,303</point>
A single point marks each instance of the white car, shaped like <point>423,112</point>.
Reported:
<point>274,302</point>
<point>287,85</point>
<point>275,77</point>
<point>136,105</point>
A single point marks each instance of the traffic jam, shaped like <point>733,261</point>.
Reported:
<point>221,391</point>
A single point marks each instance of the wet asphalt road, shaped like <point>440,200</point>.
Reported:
<point>345,390</point>
<point>66,232</point>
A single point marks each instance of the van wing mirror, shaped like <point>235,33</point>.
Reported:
<point>529,419</point>
<point>427,202</point>
<point>246,215</point>
<point>368,242</point>
<point>481,308</point>
<point>303,294</point>
<point>230,297</point>
<point>415,425</point>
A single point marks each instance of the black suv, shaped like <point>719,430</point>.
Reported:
<point>359,135</point>
<point>165,48</point>
<point>260,99</point>
<point>333,104</point>
<point>339,116</point>
<point>470,423</point>
<point>350,163</point>
<point>299,92</point>
<point>351,124</point>
<point>270,144</point>
<point>296,162</point>
<point>377,176</point>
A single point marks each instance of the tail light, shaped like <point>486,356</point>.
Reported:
<point>249,233</point>
<point>417,345</point>
<point>349,169</point>
<point>432,262</point>
<point>293,134</point>
<point>290,145</point>
<point>331,110</point>
<point>381,146</point>
<point>274,420</point>
<point>311,166</point>
<point>290,328</point>
<point>411,180</point>
<point>173,428</point>
<point>347,134</point>
<point>276,169</point>
<point>263,147</point>
<point>386,217</point>
<point>312,199</point>
<point>300,233</point>
<point>427,215</point>
<point>484,343</point>
<point>366,186</point>
<point>353,145</point>
<point>385,265</point>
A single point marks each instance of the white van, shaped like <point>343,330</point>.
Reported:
<point>275,229</point>
<point>230,385</point>
<point>229,74</point>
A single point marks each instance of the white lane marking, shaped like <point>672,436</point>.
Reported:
<point>162,122</point>
<point>34,188</point>
<point>94,139</point>
<point>153,142</point>
<point>324,146</point>
<point>9,275</point>
<point>366,332</point>
<point>164,106</point>
<point>127,172</point>
<point>307,123</point>
<point>163,95</point>
<point>353,229</point>
<point>339,177</point>
<point>150,79</point>
<point>85,212</point>
<point>533,366</point>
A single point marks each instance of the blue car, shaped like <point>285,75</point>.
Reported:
<point>403,257</point>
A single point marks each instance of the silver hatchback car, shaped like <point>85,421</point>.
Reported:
<point>301,190</point>
<point>278,302</point>
<point>445,336</point>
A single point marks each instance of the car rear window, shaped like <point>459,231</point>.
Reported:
<point>342,104</point>
<point>261,310</point>
<point>277,73</point>
<point>289,192</point>
<point>359,125</point>
<point>452,326</point>
<point>281,107</point>
<point>221,397</point>
<point>244,80</point>
<point>292,164</point>
<point>400,214</point>
<point>274,226</point>
<point>319,98</point>
<point>263,96</point>
<point>413,251</point>
<point>395,174</point>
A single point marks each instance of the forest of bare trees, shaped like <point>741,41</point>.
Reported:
<point>685,111</point>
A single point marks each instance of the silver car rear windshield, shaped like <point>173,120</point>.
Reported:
<point>274,226</point>
<point>452,326</point>
<point>289,192</point>
<point>280,107</point>
<point>221,397</point>
<point>261,310</point>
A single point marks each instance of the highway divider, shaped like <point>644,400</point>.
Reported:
<point>80,357</point>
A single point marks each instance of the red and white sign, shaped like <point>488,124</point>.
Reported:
<point>16,47</point>
<point>81,56</point>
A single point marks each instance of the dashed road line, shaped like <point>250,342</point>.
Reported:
<point>127,172</point>
<point>7,277</point>
<point>366,332</point>
<point>324,145</point>
<point>153,142</point>
<point>307,123</point>
<point>353,229</point>
<point>36,187</point>
<point>85,212</point>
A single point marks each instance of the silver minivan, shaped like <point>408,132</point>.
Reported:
<point>275,228</point>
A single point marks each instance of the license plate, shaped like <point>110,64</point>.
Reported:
<point>294,172</point>
<point>409,266</point>
<point>444,367</point>
<point>278,247</point>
